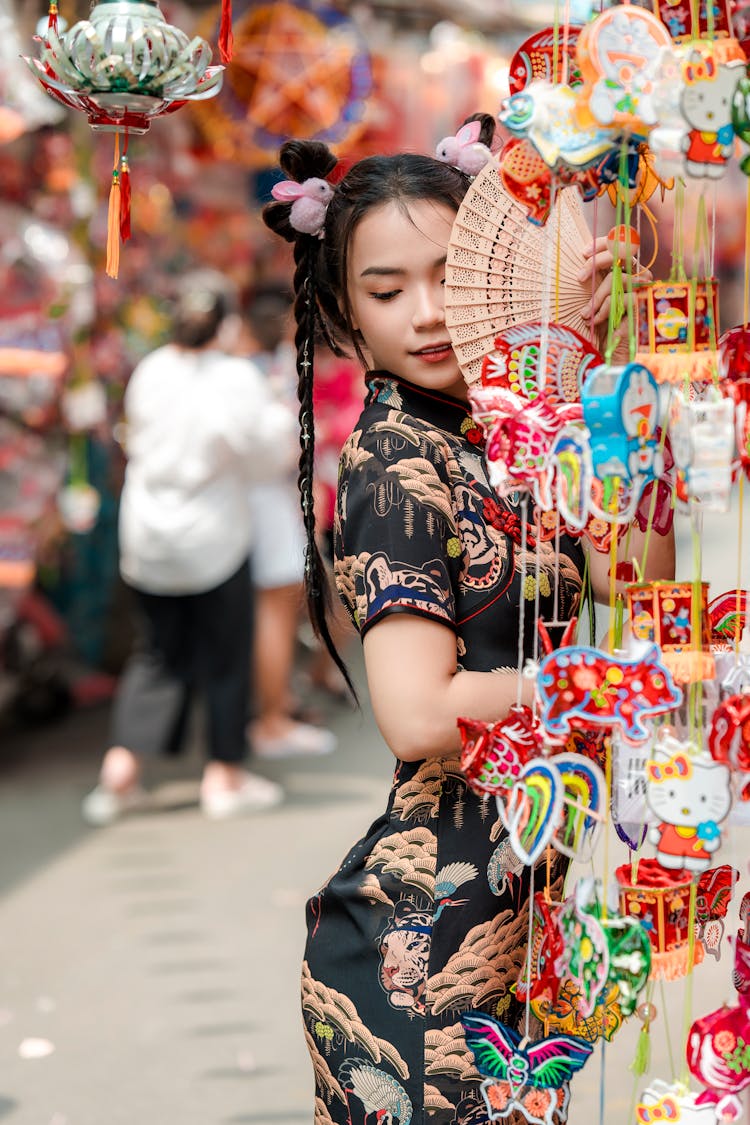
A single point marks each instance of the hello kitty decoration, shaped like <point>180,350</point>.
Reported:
<point>613,53</point>
<point>660,900</point>
<point>710,74</point>
<point>672,1104</point>
<point>689,794</point>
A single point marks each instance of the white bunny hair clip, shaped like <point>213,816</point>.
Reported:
<point>465,151</point>
<point>309,202</point>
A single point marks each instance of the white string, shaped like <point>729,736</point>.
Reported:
<point>522,606</point>
<point>528,953</point>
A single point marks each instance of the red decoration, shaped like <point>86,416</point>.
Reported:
<point>494,754</point>
<point>665,613</point>
<point>660,900</point>
<point>729,737</point>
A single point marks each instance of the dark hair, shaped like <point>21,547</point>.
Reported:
<point>204,300</point>
<point>321,306</point>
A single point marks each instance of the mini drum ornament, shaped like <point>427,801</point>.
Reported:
<point>674,616</point>
<point>660,901</point>
<point>677,326</point>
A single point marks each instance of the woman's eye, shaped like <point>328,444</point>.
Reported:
<point>386,296</point>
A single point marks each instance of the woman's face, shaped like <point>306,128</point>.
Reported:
<point>396,291</point>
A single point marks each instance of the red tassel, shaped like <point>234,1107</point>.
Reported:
<point>226,38</point>
<point>124,199</point>
<point>52,17</point>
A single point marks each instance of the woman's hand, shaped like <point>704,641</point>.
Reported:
<point>598,271</point>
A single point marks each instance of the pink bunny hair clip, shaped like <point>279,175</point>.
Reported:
<point>464,151</point>
<point>309,202</point>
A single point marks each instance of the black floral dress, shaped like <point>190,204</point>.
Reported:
<point>426,916</point>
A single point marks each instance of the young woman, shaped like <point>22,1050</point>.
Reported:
<point>426,917</point>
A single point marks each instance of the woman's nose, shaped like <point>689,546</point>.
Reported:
<point>429,307</point>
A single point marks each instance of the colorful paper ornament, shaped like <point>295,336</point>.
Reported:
<point>584,687</point>
<point>734,347</point>
<point>621,410</point>
<point>727,614</point>
<point>659,900</point>
<point>674,615</point>
<point>664,1102</point>
<point>614,52</point>
<point>702,432</point>
<point>677,324</point>
<point>545,114</point>
<point>685,23</point>
<point>712,900</point>
<point>531,810</point>
<point>718,1055</point>
<point>711,73</point>
<point>532,359</point>
<point>585,955</point>
<point>549,55</point>
<point>494,754</point>
<point>515,1075</point>
<point>689,794</point>
<point>729,737</point>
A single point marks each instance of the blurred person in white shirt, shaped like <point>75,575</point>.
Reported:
<point>202,425</point>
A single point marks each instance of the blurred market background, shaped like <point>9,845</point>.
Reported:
<point>148,973</point>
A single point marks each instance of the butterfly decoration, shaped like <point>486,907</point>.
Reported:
<point>520,1069</point>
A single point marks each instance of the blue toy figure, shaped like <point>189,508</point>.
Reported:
<point>621,410</point>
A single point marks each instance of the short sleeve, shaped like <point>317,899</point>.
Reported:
<point>395,533</point>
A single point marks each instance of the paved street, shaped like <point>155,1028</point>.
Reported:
<point>160,957</point>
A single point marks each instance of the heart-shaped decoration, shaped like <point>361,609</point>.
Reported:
<point>531,809</point>
<point>584,789</point>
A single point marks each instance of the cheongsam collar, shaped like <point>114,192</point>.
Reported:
<point>438,409</point>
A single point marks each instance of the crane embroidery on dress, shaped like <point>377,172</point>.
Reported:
<point>447,881</point>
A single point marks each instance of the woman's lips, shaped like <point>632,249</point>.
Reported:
<point>434,353</point>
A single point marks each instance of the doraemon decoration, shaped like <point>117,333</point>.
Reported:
<point>621,410</point>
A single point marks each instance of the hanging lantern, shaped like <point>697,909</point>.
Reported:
<point>659,899</point>
<point>677,330</point>
<point>123,67</point>
<point>675,617</point>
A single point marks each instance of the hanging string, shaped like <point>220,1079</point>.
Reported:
<point>738,619</point>
<point>522,606</point>
<point>687,1015</point>
<point>677,268</point>
<point>527,1020</point>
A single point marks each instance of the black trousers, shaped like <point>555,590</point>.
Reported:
<point>188,644</point>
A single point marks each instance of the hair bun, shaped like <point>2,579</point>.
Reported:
<point>300,161</point>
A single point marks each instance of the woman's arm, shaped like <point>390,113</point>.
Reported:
<point>660,561</point>
<point>417,693</point>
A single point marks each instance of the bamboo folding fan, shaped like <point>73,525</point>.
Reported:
<point>502,270</point>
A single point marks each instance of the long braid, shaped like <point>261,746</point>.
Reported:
<point>317,588</point>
